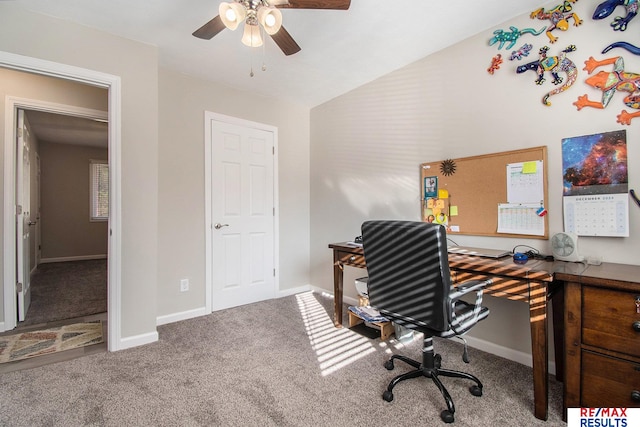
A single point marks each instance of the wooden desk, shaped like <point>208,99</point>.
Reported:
<point>530,283</point>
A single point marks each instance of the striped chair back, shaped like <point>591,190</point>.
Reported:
<point>408,268</point>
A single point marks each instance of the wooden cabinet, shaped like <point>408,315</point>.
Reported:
<point>602,337</point>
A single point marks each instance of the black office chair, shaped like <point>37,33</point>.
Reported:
<point>410,283</point>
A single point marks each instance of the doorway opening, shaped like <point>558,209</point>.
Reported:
<point>62,264</point>
<point>69,74</point>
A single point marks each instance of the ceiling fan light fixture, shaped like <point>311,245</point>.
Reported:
<point>232,14</point>
<point>251,36</point>
<point>270,18</point>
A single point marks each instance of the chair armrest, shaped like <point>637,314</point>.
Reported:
<point>462,323</point>
<point>467,287</point>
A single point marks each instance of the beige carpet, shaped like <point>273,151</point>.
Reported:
<point>46,341</point>
<point>274,363</point>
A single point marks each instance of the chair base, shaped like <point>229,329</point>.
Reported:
<point>430,368</point>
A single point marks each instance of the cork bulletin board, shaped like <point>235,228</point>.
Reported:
<point>471,193</point>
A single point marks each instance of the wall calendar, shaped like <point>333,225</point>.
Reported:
<point>595,184</point>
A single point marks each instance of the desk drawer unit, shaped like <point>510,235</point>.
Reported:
<point>602,342</point>
<point>608,319</point>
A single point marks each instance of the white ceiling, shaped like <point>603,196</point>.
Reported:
<point>64,129</point>
<point>341,50</point>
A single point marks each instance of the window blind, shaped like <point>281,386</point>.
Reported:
<point>99,190</point>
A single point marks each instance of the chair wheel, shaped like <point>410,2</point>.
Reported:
<point>389,364</point>
<point>446,416</point>
<point>388,396</point>
<point>475,390</point>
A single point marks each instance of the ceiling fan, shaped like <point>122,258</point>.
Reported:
<point>265,13</point>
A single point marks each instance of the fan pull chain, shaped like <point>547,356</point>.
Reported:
<point>251,72</point>
<point>264,49</point>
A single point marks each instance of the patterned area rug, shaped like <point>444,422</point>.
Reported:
<point>37,343</point>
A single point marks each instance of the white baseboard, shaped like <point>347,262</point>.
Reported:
<point>508,353</point>
<point>345,299</point>
<point>202,311</point>
<point>138,340</point>
<point>293,291</point>
<point>183,315</point>
<point>73,258</point>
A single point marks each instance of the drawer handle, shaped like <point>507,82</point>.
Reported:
<point>635,396</point>
<point>636,326</point>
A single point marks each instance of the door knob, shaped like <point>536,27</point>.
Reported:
<point>218,226</point>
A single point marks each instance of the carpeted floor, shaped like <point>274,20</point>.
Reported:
<point>24,345</point>
<point>273,363</point>
<point>67,290</point>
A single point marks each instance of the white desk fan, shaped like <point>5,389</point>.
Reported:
<point>565,247</point>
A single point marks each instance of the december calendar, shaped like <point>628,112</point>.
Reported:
<point>597,215</point>
<point>595,184</point>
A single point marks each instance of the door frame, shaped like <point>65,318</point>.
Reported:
<point>208,186</point>
<point>94,78</point>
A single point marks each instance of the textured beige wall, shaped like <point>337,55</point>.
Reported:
<point>366,147</point>
<point>65,190</point>
<point>181,249</point>
<point>136,64</point>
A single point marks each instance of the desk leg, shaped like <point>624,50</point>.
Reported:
<point>557,302</point>
<point>539,348</point>
<point>338,272</point>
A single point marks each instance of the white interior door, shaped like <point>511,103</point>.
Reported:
<point>242,214</point>
<point>23,217</point>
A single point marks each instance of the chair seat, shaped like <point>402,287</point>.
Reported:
<point>463,314</point>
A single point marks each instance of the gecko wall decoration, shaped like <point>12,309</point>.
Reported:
<point>510,38</point>
<point>609,83</point>
<point>559,17</point>
<point>524,50</point>
<point>553,65</point>
<point>495,64</point>
<point>619,23</point>
<point>624,45</point>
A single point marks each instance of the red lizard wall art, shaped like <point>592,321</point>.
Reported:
<point>609,83</point>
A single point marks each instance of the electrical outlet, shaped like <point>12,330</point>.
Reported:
<point>184,285</point>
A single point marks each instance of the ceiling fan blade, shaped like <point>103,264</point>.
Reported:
<point>285,42</point>
<point>316,4</point>
<point>210,29</point>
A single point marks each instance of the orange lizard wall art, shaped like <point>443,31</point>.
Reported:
<point>609,83</point>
